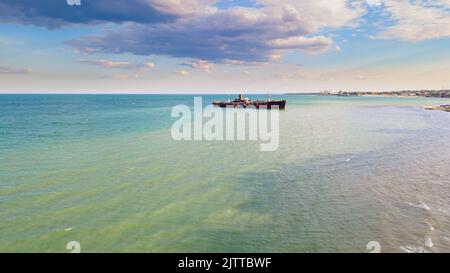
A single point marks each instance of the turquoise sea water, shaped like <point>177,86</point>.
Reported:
<point>104,170</point>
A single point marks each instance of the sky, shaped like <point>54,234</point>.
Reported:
<point>223,46</point>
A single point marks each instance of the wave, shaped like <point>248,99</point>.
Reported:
<point>413,249</point>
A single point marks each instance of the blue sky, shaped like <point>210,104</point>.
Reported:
<point>172,46</point>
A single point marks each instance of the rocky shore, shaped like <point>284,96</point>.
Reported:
<point>445,107</point>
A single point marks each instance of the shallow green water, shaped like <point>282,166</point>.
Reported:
<point>103,170</point>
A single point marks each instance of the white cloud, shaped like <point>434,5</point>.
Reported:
<point>313,15</point>
<point>148,65</point>
<point>13,70</point>
<point>315,44</point>
<point>374,3</point>
<point>117,64</point>
<point>238,34</point>
<point>416,20</point>
<point>200,64</point>
<point>183,72</point>
<point>183,7</point>
<point>125,76</point>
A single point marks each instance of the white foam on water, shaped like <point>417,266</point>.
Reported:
<point>444,211</point>
<point>425,206</point>
<point>413,249</point>
<point>421,205</point>
<point>428,242</point>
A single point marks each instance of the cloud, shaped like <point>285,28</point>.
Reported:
<point>119,76</point>
<point>183,72</point>
<point>237,34</point>
<point>415,20</point>
<point>313,15</point>
<point>314,44</point>
<point>15,71</point>
<point>183,7</point>
<point>57,13</point>
<point>124,76</point>
<point>199,64</point>
<point>118,65</point>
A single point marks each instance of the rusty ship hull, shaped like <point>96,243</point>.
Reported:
<point>246,103</point>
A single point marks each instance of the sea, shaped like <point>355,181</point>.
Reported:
<point>351,174</point>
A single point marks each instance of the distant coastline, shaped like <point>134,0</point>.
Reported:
<point>404,93</point>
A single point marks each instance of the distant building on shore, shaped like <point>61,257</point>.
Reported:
<point>409,93</point>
